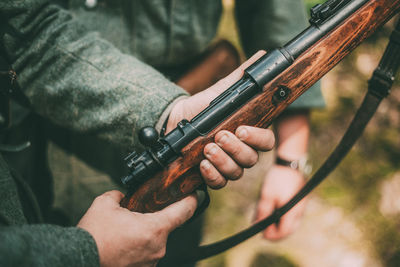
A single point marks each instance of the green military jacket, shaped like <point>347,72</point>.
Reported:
<point>36,244</point>
<point>93,70</point>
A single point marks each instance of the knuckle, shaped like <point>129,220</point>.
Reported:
<point>161,252</point>
<point>109,194</point>
<point>148,238</point>
<point>99,199</point>
<point>160,230</point>
<point>158,254</point>
<point>236,151</point>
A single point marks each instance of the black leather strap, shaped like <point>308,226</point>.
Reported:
<point>283,162</point>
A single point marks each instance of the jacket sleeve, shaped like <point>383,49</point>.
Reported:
<point>37,244</point>
<point>78,80</point>
<point>269,24</point>
<point>46,245</point>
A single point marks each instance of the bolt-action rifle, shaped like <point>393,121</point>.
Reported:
<point>168,170</point>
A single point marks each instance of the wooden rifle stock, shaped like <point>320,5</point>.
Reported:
<point>182,176</point>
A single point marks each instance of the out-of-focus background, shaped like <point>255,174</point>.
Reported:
<point>353,218</point>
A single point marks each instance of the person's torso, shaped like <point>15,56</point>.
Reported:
<point>158,32</point>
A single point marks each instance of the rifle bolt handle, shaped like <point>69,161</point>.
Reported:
<point>148,136</point>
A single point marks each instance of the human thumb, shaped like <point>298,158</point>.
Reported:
<point>178,213</point>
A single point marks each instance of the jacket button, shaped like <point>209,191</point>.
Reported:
<point>90,3</point>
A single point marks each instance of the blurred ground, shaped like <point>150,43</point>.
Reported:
<point>352,219</point>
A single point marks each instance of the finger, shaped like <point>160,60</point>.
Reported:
<point>265,207</point>
<point>112,198</point>
<point>211,176</point>
<point>222,162</point>
<point>258,138</point>
<point>284,228</point>
<point>287,224</point>
<point>291,221</point>
<point>272,232</point>
<point>177,213</point>
<point>241,153</point>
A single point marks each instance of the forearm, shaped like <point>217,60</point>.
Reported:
<point>293,131</point>
<point>78,80</point>
<point>46,245</point>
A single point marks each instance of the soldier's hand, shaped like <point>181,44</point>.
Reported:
<point>280,185</point>
<point>226,158</point>
<point>126,238</point>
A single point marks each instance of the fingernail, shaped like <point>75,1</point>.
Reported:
<point>212,150</point>
<point>205,164</point>
<point>222,140</point>
<point>242,133</point>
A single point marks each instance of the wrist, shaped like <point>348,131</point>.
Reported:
<point>300,164</point>
<point>167,119</point>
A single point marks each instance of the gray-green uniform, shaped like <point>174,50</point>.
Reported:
<point>88,70</point>
<point>25,240</point>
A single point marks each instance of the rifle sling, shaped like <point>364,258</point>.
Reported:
<point>378,88</point>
